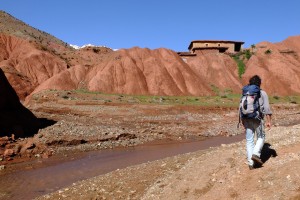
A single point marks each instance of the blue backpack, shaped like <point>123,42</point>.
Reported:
<point>249,103</point>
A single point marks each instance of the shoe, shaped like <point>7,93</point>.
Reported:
<point>256,159</point>
<point>251,167</point>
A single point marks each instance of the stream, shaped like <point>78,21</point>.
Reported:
<point>31,183</point>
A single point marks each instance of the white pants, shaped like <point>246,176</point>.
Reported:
<point>254,127</point>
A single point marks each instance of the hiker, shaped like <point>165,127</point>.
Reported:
<point>255,114</point>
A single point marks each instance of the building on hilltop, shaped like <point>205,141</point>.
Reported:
<point>197,47</point>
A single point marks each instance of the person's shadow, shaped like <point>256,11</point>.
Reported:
<point>266,153</point>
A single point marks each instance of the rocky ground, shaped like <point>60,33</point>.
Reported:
<point>217,173</point>
<point>84,122</point>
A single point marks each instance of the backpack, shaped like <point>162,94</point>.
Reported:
<point>249,104</point>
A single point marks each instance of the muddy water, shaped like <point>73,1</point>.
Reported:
<point>29,184</point>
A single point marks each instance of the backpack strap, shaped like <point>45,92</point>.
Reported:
<point>261,106</point>
<point>239,112</point>
<point>238,125</point>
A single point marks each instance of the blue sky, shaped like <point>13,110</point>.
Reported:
<point>153,24</point>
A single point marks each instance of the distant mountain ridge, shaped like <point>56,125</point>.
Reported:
<point>33,60</point>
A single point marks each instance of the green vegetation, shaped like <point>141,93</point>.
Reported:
<point>241,57</point>
<point>276,97</point>
<point>222,93</point>
<point>44,48</point>
<point>253,47</point>
<point>209,101</point>
<point>96,50</point>
<point>269,51</point>
<point>85,91</point>
<point>248,54</point>
<point>240,64</point>
<point>295,99</point>
<point>223,99</point>
<point>215,89</point>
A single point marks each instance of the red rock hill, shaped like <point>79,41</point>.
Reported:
<point>33,60</point>
<point>279,66</point>
<point>25,65</point>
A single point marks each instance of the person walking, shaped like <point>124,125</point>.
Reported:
<point>256,120</point>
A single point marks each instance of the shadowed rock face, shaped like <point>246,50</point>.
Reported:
<point>14,117</point>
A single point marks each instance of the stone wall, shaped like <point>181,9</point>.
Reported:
<point>213,44</point>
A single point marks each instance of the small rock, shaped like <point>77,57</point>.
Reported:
<point>37,155</point>
<point>8,152</point>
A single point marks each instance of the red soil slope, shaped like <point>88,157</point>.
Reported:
<point>216,70</point>
<point>25,65</point>
<point>29,68</point>
<point>151,72</point>
<point>280,69</point>
<point>144,71</point>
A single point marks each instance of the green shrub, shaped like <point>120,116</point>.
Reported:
<point>96,50</point>
<point>248,54</point>
<point>269,51</point>
<point>44,48</point>
<point>241,66</point>
<point>215,89</point>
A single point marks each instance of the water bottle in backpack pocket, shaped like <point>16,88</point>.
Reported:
<point>249,104</point>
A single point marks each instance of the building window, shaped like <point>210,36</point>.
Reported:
<point>206,44</point>
<point>219,45</point>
